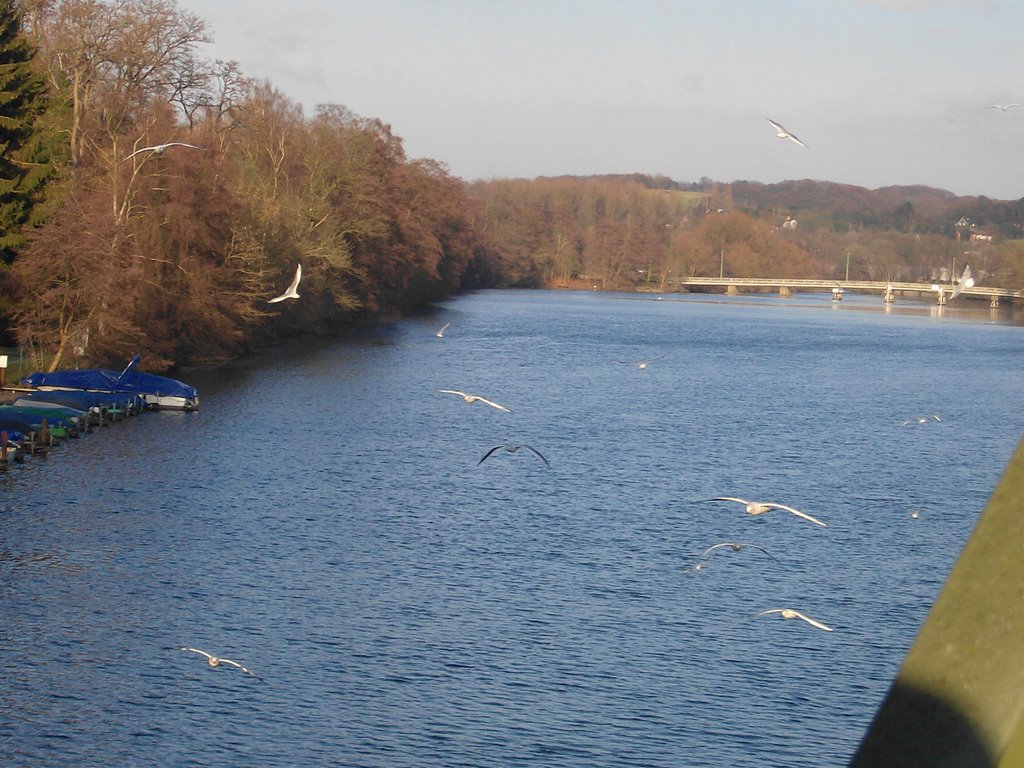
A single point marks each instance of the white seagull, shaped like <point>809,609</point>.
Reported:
<point>512,448</point>
<point>734,546</point>
<point>293,289</point>
<point>159,149</point>
<point>782,133</point>
<point>476,398</point>
<point>440,333</point>
<point>1003,107</point>
<point>920,420</point>
<point>965,281</point>
<point>216,661</point>
<point>789,613</point>
<point>640,363</point>
<point>760,507</point>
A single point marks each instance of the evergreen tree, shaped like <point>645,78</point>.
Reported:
<point>22,99</point>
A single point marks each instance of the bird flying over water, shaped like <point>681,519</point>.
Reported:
<point>640,363</point>
<point>789,613</point>
<point>512,448</point>
<point>782,133</point>
<point>159,149</point>
<point>965,281</point>
<point>216,661</point>
<point>440,333</point>
<point>734,546</point>
<point>761,507</point>
<point>293,289</point>
<point>476,398</point>
<point>920,420</point>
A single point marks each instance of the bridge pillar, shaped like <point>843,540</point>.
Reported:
<point>890,297</point>
<point>837,294</point>
<point>994,304</point>
<point>785,292</point>
<point>942,297</point>
<point>732,290</point>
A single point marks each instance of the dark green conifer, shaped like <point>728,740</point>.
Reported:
<point>22,99</point>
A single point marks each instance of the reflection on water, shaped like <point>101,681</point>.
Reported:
<point>324,521</point>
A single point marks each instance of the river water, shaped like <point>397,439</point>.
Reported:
<point>324,520</point>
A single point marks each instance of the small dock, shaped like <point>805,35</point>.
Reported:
<point>49,426</point>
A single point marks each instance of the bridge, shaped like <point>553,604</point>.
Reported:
<point>888,290</point>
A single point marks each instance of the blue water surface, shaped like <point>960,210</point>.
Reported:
<point>324,520</point>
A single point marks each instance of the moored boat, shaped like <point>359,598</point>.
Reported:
<point>101,404</point>
<point>155,391</point>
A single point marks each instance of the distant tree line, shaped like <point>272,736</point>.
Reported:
<point>115,237</point>
<point>635,231</point>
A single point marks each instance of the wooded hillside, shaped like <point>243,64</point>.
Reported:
<point>637,231</point>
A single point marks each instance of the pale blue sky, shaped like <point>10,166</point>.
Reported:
<point>882,91</point>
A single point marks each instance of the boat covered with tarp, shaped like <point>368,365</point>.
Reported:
<point>156,391</point>
<point>19,419</point>
<point>115,403</point>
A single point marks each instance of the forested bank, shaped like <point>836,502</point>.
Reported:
<point>640,231</point>
<point>153,200</point>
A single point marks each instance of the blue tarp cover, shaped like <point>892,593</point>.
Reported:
<point>128,380</point>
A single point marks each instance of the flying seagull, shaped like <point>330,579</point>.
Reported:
<point>920,420</point>
<point>159,149</point>
<point>782,133</point>
<point>475,398</point>
<point>965,281</point>
<point>734,546</point>
<point>1003,107</point>
<point>512,448</point>
<point>760,507</point>
<point>293,289</point>
<point>789,613</point>
<point>440,334</point>
<point>216,661</point>
<point>640,363</point>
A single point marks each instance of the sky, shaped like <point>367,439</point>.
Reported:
<point>882,92</point>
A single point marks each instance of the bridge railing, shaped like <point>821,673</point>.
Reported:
<point>846,285</point>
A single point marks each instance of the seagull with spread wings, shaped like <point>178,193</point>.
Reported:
<point>640,363</point>
<point>159,149</point>
<point>293,290</point>
<point>476,399</point>
<point>789,613</point>
<point>782,133</point>
<point>733,545</point>
<point>965,281</point>
<point>761,507</point>
<point>216,661</point>
<point>512,448</point>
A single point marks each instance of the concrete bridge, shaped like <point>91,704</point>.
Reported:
<point>888,290</point>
